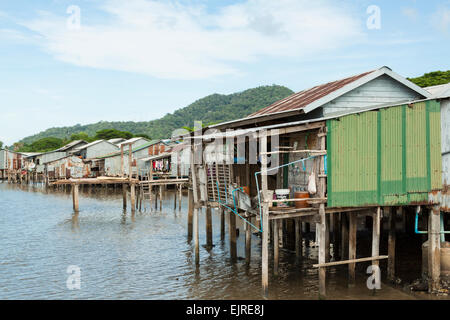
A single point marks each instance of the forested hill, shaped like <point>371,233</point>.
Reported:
<point>211,109</point>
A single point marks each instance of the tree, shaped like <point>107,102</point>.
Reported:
<point>1,144</point>
<point>42,145</point>
<point>143,135</point>
<point>81,136</point>
<point>107,134</point>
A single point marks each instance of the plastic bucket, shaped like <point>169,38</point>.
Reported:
<point>301,195</point>
<point>282,194</point>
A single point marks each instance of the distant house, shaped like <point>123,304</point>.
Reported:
<point>113,162</point>
<point>135,142</point>
<point>117,140</point>
<point>95,149</point>
<point>41,158</point>
<point>368,89</point>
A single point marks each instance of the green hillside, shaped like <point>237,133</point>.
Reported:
<point>432,78</point>
<point>211,109</point>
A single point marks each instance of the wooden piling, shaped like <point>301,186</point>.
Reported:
<point>276,245</point>
<point>352,247</point>
<point>124,196</point>
<point>160,197</point>
<point>209,234</point>
<point>75,193</point>
<point>336,235</point>
<point>391,245</point>
<point>180,195</point>
<point>133,197</point>
<point>376,235</point>
<point>232,235</point>
<point>248,241</point>
<point>190,213</point>
<point>196,238</point>
<point>222,223</point>
<point>344,235</point>
<point>175,199</point>
<point>434,248</point>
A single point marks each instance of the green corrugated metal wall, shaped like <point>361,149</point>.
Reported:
<point>386,157</point>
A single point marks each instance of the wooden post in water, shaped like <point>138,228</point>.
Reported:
<point>180,195</point>
<point>124,196</point>
<point>344,235</point>
<point>336,235</point>
<point>209,234</point>
<point>190,213</point>
<point>276,245</point>
<point>196,206</point>
<point>248,241</point>
<point>391,245</point>
<point>376,236</point>
<point>175,199</point>
<point>196,239</point>
<point>352,247</point>
<point>265,217</point>
<point>133,197</point>
<point>160,197</point>
<point>298,237</point>
<point>75,193</point>
<point>434,248</point>
<point>222,223</point>
<point>232,235</point>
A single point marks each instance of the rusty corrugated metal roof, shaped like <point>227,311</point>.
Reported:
<point>303,98</point>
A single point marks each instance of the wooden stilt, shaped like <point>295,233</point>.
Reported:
<point>75,191</point>
<point>196,238</point>
<point>133,197</point>
<point>276,245</point>
<point>352,247</point>
<point>248,241</point>
<point>232,235</point>
<point>391,245</point>
<point>336,235</point>
<point>324,232</point>
<point>434,249</point>
<point>180,195</point>
<point>175,199</point>
<point>298,238</point>
<point>344,236</point>
<point>190,214</point>
<point>376,235</point>
<point>222,223</point>
<point>209,235</point>
<point>160,197</point>
<point>124,196</point>
<point>156,197</point>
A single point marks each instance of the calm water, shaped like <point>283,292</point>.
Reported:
<point>142,257</point>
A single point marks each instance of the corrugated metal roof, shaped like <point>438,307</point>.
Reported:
<point>70,145</point>
<point>439,91</point>
<point>303,98</point>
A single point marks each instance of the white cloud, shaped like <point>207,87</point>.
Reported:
<point>172,40</point>
<point>441,19</point>
<point>410,13</point>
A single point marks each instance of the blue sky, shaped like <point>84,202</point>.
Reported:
<point>140,59</point>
